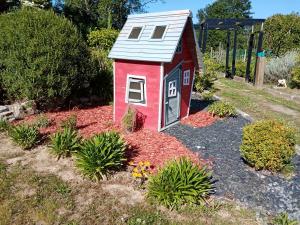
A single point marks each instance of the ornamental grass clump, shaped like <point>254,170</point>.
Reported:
<point>42,121</point>
<point>65,142</point>
<point>268,144</point>
<point>129,120</point>
<point>180,182</point>
<point>4,125</point>
<point>70,122</point>
<point>24,135</point>
<point>100,155</point>
<point>222,109</point>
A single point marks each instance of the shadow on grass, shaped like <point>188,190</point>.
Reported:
<point>198,105</point>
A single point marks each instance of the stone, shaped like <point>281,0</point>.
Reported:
<point>29,107</point>
<point>3,108</point>
<point>17,110</point>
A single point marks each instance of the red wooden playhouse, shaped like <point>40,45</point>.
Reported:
<point>155,59</point>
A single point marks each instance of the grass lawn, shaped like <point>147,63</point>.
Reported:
<point>259,104</point>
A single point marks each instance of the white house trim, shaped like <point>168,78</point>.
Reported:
<point>161,88</point>
<point>192,86</point>
<point>163,37</point>
<point>127,89</point>
<point>114,94</point>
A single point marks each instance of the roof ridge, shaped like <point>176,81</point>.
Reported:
<point>164,13</point>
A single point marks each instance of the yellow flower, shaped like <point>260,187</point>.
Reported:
<point>135,174</point>
<point>131,163</point>
<point>147,163</point>
<point>141,163</point>
<point>139,175</point>
<point>135,170</point>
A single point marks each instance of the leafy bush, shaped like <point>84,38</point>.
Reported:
<point>295,80</point>
<point>65,142</point>
<point>241,69</point>
<point>24,135</point>
<point>207,95</point>
<point>129,119</point>
<point>103,38</point>
<point>203,82</point>
<point>180,182</point>
<point>100,155</point>
<point>222,109</point>
<point>283,219</point>
<point>70,122</point>
<point>42,121</point>
<point>4,125</point>
<point>280,67</point>
<point>42,56</point>
<point>268,144</point>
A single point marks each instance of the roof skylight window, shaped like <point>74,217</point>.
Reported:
<point>159,32</point>
<point>135,33</point>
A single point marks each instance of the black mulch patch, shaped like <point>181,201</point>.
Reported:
<point>220,142</point>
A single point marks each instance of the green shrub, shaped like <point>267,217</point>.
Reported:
<point>42,121</point>
<point>295,78</point>
<point>65,142</point>
<point>24,135</point>
<point>100,155</point>
<point>180,182</point>
<point>129,120</point>
<point>222,109</point>
<point>283,219</point>
<point>207,95</point>
<point>103,38</point>
<point>4,125</point>
<point>42,56</point>
<point>203,82</point>
<point>70,122</point>
<point>268,144</point>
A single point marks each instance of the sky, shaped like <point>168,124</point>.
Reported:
<point>261,8</point>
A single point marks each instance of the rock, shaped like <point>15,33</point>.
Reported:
<point>3,108</point>
<point>17,110</point>
<point>29,107</point>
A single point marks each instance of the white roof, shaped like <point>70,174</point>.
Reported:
<point>145,48</point>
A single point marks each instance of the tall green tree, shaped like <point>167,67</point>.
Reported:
<point>89,14</point>
<point>224,9</point>
<point>282,33</point>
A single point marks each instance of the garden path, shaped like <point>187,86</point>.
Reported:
<point>220,143</point>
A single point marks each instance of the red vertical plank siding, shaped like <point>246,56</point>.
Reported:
<point>188,64</point>
<point>152,73</point>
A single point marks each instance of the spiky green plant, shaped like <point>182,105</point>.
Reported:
<point>65,142</point>
<point>180,182</point>
<point>283,219</point>
<point>100,155</point>
<point>4,125</point>
<point>70,122</point>
<point>24,135</point>
<point>42,121</point>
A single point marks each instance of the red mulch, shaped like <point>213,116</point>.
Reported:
<point>199,119</point>
<point>145,145</point>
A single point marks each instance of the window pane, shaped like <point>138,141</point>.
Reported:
<point>135,85</point>
<point>135,33</point>
<point>159,32</point>
<point>135,96</point>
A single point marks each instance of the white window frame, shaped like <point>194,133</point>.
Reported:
<point>163,37</point>
<point>186,77</point>
<point>175,88</point>
<point>139,37</point>
<point>143,93</point>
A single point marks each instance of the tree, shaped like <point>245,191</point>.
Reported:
<point>90,14</point>
<point>282,33</point>
<point>223,9</point>
<point>42,56</point>
<point>7,5</point>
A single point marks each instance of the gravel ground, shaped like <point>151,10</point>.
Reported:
<point>220,143</point>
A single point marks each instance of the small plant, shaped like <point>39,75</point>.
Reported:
<point>70,122</point>
<point>4,125</point>
<point>129,122</point>
<point>100,155</point>
<point>42,121</point>
<point>283,219</point>
<point>141,171</point>
<point>65,142</point>
<point>222,109</point>
<point>295,81</point>
<point>207,95</point>
<point>268,144</point>
<point>180,182</point>
<point>24,135</point>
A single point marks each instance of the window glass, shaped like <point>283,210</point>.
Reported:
<point>136,90</point>
<point>172,89</point>
<point>186,77</point>
<point>159,32</point>
<point>179,47</point>
<point>135,33</point>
